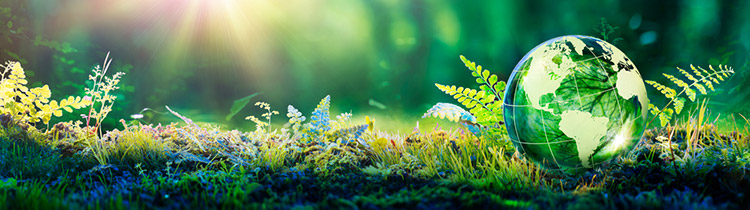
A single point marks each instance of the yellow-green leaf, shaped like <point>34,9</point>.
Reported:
<point>493,79</point>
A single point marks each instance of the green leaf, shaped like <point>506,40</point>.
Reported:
<point>679,103</point>
<point>238,105</point>
<point>485,88</point>
<point>377,104</point>
<point>493,79</point>
<point>500,86</point>
<point>10,24</point>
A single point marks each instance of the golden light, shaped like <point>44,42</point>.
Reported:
<point>228,40</point>
<point>180,32</point>
<point>621,139</point>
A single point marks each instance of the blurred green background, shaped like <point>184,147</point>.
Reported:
<point>377,57</point>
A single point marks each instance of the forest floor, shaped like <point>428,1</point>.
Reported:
<point>691,166</point>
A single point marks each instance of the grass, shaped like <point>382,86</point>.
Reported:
<point>691,164</point>
<point>134,146</point>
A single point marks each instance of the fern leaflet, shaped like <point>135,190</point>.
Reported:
<point>354,132</point>
<point>484,116</point>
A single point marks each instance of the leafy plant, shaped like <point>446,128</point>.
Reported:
<point>100,94</point>
<point>321,128</point>
<point>701,81</point>
<point>325,145</point>
<point>31,105</point>
<point>605,30</point>
<point>485,105</point>
<point>260,125</point>
<point>295,118</point>
<point>320,121</point>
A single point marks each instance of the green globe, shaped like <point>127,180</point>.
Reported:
<point>575,102</point>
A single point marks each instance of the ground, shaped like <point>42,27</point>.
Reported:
<point>431,170</point>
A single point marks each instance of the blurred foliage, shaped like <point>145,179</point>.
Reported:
<point>606,31</point>
<point>17,32</point>
<point>200,55</point>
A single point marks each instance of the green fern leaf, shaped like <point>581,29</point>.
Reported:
<point>701,88</point>
<point>653,109</point>
<point>719,76</point>
<point>493,79</point>
<point>479,103</point>
<point>666,91</point>
<point>709,85</point>
<point>701,80</point>
<point>688,75</point>
<point>320,121</point>
<point>676,81</point>
<point>347,134</point>
<point>697,72</point>
<point>485,103</point>
<point>488,82</point>
<point>665,116</point>
<point>691,94</point>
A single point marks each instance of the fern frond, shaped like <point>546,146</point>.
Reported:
<point>350,133</point>
<point>487,81</point>
<point>295,117</point>
<point>666,91</point>
<point>451,112</point>
<point>320,121</point>
<point>697,72</point>
<point>682,84</point>
<point>480,103</point>
<point>665,116</point>
<point>719,76</point>
<point>701,80</point>
<point>688,75</point>
<point>483,107</point>
<point>712,69</point>
<point>707,82</point>
<point>30,104</point>
<point>654,110</point>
